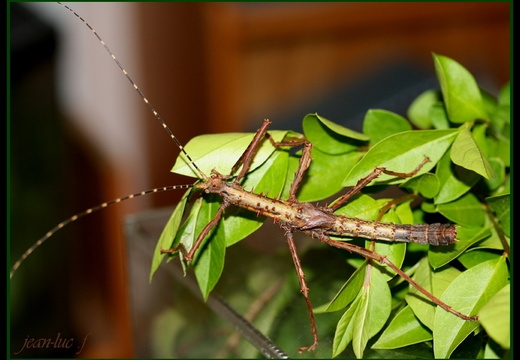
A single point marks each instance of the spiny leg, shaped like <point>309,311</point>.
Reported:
<point>247,157</point>
<point>188,255</point>
<point>366,180</point>
<point>304,163</point>
<point>303,286</point>
<point>368,254</point>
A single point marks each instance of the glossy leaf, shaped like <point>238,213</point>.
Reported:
<point>325,175</point>
<point>221,152</point>
<point>379,124</point>
<point>403,330</point>
<point>499,169</point>
<point>347,293</point>
<point>419,110</point>
<point>501,205</point>
<point>433,281</point>
<point>466,236</point>
<point>475,256</point>
<point>460,92</point>
<point>466,210</point>
<point>495,317</point>
<point>363,207</point>
<point>465,152</point>
<point>454,180</point>
<point>468,293</point>
<point>169,232</point>
<point>239,223</point>
<point>439,117</point>
<point>365,316</point>
<point>329,137</point>
<point>499,145</point>
<point>426,184</point>
<point>209,261</point>
<point>402,152</point>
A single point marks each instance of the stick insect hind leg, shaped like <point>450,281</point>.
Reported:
<point>369,254</point>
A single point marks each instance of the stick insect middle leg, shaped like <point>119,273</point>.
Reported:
<point>366,180</point>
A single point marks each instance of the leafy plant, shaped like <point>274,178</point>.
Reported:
<point>465,133</point>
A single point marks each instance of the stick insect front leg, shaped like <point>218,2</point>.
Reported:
<point>245,161</point>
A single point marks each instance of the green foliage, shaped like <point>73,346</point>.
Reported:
<point>465,134</point>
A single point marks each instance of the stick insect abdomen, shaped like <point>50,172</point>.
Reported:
<point>433,234</point>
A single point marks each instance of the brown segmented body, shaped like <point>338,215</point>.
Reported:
<point>316,220</point>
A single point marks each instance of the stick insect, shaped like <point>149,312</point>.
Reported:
<point>319,222</point>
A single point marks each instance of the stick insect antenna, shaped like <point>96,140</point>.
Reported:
<point>88,212</point>
<point>141,94</point>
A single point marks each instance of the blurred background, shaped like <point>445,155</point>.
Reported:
<point>80,135</point>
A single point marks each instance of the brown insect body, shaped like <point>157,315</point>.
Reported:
<point>316,220</point>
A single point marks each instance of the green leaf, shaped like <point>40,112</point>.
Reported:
<point>495,317</point>
<point>466,236</point>
<point>475,256</point>
<point>419,110</point>
<point>347,293</point>
<point>402,152</point>
<point>454,180</point>
<point>222,151</point>
<point>479,132</point>
<point>403,330</point>
<point>325,175</point>
<point>466,210</point>
<point>169,232</point>
<point>192,226</point>
<point>500,146</point>
<point>239,223</point>
<point>345,328</point>
<point>434,281</point>
<point>209,261</point>
<point>404,212</point>
<point>439,116</point>
<point>501,205</point>
<point>504,98</point>
<point>489,101</point>
<point>379,124</point>
<point>460,91</point>
<point>365,316</point>
<point>426,184</point>
<point>499,169</point>
<point>363,207</point>
<point>465,152</point>
<point>329,137</point>
<point>468,293</point>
